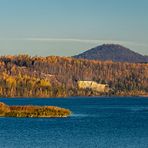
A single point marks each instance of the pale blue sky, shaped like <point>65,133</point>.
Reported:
<point>68,27</point>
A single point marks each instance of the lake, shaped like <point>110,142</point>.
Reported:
<point>95,123</point>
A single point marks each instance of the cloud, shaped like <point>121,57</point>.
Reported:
<point>87,41</point>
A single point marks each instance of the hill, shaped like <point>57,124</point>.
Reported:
<point>25,76</point>
<point>112,52</point>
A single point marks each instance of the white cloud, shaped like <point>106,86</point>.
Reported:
<point>80,41</point>
<point>85,41</point>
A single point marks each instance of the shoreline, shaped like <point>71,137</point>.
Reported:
<point>68,97</point>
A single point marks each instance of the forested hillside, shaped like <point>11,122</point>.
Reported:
<point>25,76</point>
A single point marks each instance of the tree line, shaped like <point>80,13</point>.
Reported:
<point>26,76</point>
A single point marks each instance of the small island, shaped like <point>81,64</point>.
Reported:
<point>33,111</point>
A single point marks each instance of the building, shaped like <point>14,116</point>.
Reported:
<point>93,86</point>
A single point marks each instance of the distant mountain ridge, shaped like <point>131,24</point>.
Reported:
<point>113,52</point>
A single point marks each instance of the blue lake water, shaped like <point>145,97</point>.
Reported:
<point>95,123</point>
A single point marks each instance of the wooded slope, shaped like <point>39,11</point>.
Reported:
<point>25,76</point>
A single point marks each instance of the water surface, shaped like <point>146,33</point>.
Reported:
<point>95,123</point>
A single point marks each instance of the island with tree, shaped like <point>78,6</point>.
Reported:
<point>33,111</point>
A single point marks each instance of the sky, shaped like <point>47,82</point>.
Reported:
<point>69,27</point>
